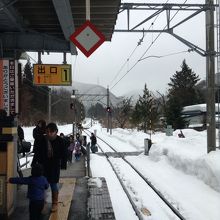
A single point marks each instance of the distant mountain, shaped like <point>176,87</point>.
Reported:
<point>134,95</point>
<point>92,93</point>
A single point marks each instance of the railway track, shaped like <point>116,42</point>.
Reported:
<point>117,160</point>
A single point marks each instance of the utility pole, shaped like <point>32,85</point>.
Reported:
<point>218,67</point>
<point>110,122</point>
<point>91,114</point>
<point>108,114</point>
<point>210,74</point>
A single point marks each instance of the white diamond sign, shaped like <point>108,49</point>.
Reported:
<point>87,38</point>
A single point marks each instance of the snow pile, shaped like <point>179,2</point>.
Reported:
<point>179,168</point>
<point>95,182</point>
<point>189,155</point>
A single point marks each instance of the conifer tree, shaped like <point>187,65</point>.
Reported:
<point>34,101</point>
<point>182,92</point>
<point>96,111</point>
<point>145,111</point>
<point>28,73</point>
<point>183,85</point>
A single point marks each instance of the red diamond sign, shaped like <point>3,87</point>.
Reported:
<point>87,38</point>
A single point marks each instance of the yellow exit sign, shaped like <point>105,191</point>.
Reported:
<point>52,74</point>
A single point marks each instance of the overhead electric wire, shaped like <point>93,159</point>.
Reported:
<point>145,50</point>
<point>124,64</point>
<point>166,55</point>
<point>138,44</point>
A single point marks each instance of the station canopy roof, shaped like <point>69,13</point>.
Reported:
<point>46,25</point>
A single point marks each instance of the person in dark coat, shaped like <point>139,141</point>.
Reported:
<point>39,131</point>
<point>20,133</point>
<point>66,142</point>
<point>20,139</point>
<point>37,184</point>
<point>93,143</point>
<point>51,152</point>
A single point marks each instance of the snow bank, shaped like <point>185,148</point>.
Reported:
<point>189,155</point>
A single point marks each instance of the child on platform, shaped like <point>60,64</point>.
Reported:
<point>37,184</point>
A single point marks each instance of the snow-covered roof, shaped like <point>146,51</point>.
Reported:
<point>199,107</point>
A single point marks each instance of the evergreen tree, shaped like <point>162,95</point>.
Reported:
<point>26,95</point>
<point>183,85</point>
<point>182,92</point>
<point>96,111</point>
<point>145,111</point>
<point>173,113</point>
<point>34,99</point>
<point>60,106</point>
<point>25,105</point>
<point>28,73</point>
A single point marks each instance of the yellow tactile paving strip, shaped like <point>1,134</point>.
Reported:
<point>65,198</point>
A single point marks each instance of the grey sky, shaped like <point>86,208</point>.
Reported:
<point>103,65</point>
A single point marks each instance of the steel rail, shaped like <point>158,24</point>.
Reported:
<point>174,210</point>
<point>136,210</point>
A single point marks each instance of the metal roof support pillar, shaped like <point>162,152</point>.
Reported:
<point>88,10</point>
<point>210,74</point>
<point>64,58</point>
<point>39,61</point>
<point>108,105</point>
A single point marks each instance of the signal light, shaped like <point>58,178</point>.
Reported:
<point>71,106</point>
<point>108,109</point>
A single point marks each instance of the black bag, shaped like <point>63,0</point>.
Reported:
<point>19,147</point>
<point>94,148</point>
<point>24,147</point>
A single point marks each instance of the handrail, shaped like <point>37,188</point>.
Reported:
<point>29,154</point>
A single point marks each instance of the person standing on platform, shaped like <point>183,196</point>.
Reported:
<point>39,131</point>
<point>37,184</point>
<point>52,154</point>
<point>66,140</point>
<point>66,143</point>
<point>77,148</point>
<point>93,143</point>
<point>20,139</point>
<point>20,133</point>
<point>70,149</point>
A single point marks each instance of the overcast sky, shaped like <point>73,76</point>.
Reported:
<point>105,63</point>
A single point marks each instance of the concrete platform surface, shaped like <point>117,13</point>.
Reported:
<point>80,197</point>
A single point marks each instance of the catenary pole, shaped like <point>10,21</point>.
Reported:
<point>210,74</point>
<point>108,105</point>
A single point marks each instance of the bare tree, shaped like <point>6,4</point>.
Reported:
<point>123,111</point>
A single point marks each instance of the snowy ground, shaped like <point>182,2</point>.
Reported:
<point>179,167</point>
